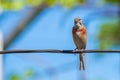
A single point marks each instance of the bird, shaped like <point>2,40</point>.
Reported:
<point>79,37</point>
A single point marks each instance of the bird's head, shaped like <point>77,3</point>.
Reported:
<point>78,22</point>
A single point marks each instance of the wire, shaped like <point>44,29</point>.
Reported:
<point>59,51</point>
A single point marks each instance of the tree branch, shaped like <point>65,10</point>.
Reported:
<point>23,25</point>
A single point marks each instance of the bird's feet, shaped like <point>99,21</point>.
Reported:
<point>75,50</point>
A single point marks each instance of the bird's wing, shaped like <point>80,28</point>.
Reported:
<point>84,37</point>
<point>74,37</point>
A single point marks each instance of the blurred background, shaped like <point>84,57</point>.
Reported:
<point>47,24</point>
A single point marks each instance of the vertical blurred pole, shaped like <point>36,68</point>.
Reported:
<point>1,48</point>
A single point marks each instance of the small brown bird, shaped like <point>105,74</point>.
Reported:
<point>79,37</point>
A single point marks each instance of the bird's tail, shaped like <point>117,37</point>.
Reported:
<point>82,65</point>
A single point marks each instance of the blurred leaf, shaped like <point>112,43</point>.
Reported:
<point>81,1</point>
<point>68,3</point>
<point>10,5</point>
<point>19,4</point>
<point>50,2</point>
<point>109,35</point>
<point>15,77</point>
<point>112,1</point>
<point>29,73</point>
<point>34,2</point>
<point>104,44</point>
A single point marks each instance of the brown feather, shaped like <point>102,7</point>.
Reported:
<point>79,37</point>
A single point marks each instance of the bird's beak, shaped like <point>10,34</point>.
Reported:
<point>78,24</point>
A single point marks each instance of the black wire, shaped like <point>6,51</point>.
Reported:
<point>59,51</point>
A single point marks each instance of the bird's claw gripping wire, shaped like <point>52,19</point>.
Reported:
<point>75,50</point>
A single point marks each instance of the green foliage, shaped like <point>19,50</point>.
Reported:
<point>112,1</point>
<point>19,4</point>
<point>70,3</point>
<point>33,2</point>
<point>50,2</point>
<point>15,77</point>
<point>12,5</point>
<point>81,1</point>
<point>109,35</point>
<point>67,3</point>
<point>29,73</point>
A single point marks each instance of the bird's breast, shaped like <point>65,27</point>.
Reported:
<point>78,33</point>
